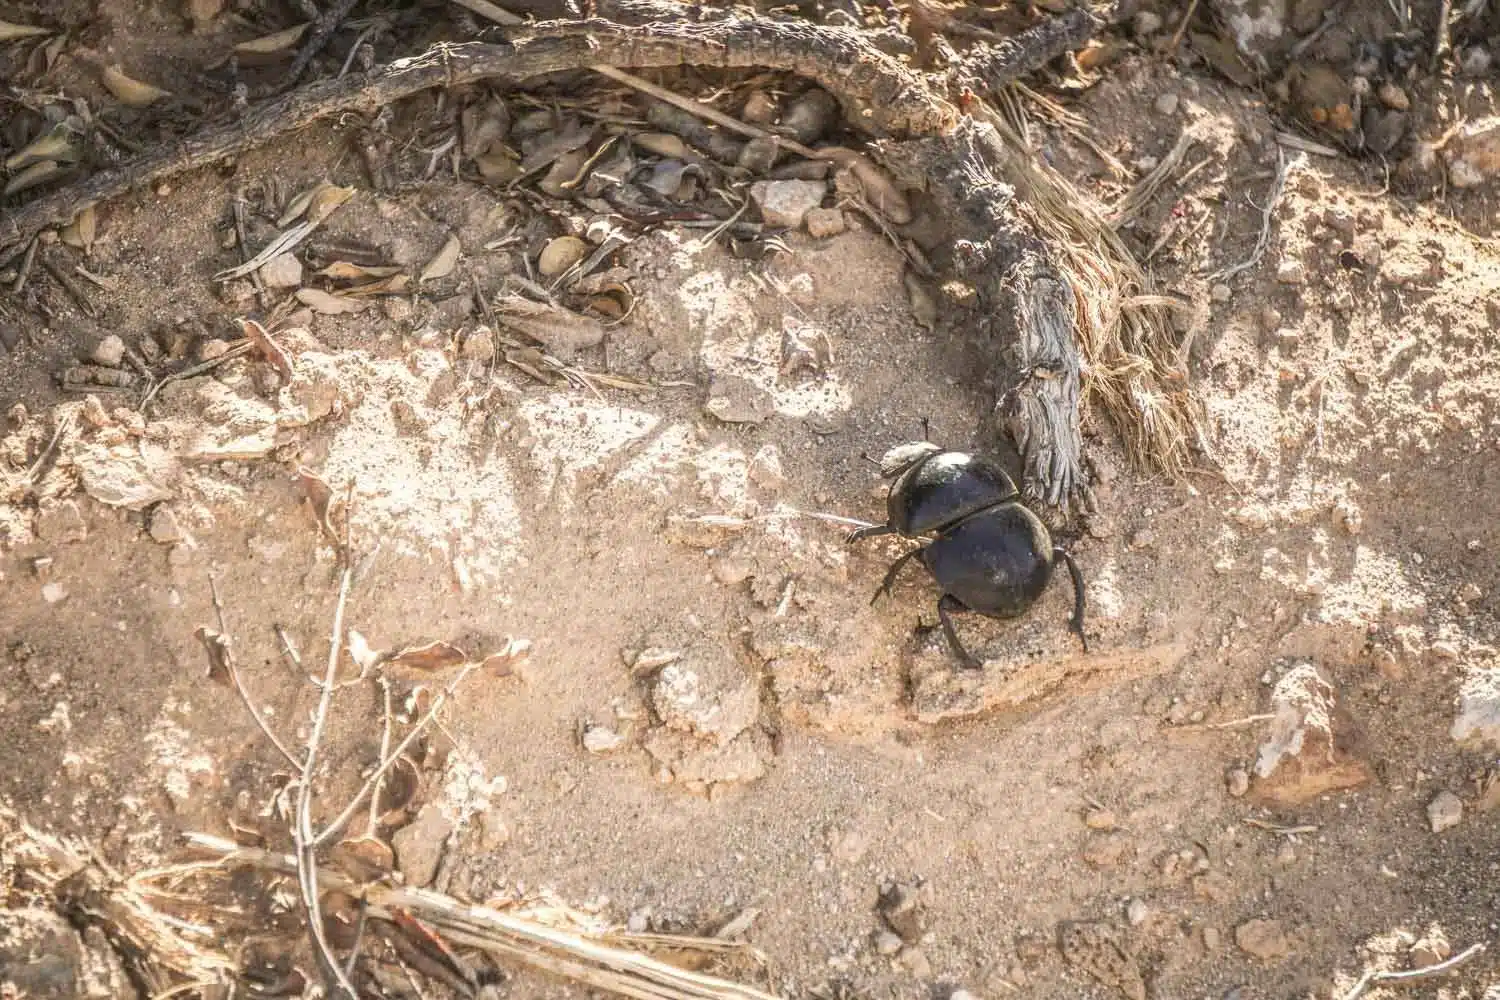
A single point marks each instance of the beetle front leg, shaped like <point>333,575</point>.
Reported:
<point>859,534</point>
<point>890,574</point>
<point>946,604</point>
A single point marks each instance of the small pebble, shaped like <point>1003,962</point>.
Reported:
<point>1393,97</point>
<point>53,592</point>
<point>1167,104</point>
<point>109,352</point>
<point>887,943</point>
<point>1221,292</point>
<point>822,223</point>
<point>601,739</point>
<point>1444,811</point>
<point>1287,338</point>
<point>1146,23</point>
<point>1211,939</point>
<point>1137,912</point>
<point>1237,782</point>
<point>282,271</point>
<point>1100,819</point>
<point>164,527</point>
<point>1291,272</point>
<point>1270,318</point>
<point>212,348</point>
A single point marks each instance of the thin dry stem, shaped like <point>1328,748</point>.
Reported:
<point>239,684</point>
<point>1371,978</point>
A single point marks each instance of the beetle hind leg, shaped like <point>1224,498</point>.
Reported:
<point>1076,624</point>
<point>890,574</point>
<point>948,603</point>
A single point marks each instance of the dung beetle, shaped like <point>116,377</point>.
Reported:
<point>991,555</point>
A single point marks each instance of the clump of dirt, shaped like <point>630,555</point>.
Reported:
<point>1248,783</point>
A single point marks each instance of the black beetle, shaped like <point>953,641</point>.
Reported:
<point>990,555</point>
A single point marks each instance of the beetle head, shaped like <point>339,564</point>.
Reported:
<point>904,456</point>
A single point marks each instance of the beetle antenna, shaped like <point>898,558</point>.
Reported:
<point>1076,625</point>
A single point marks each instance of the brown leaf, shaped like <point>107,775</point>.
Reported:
<point>432,656</point>
<point>80,232</point>
<point>363,859</point>
<point>11,32</point>
<point>327,303</point>
<point>220,665</point>
<point>320,496</point>
<point>502,662</point>
<point>443,264</point>
<point>396,284</point>
<point>31,177</point>
<point>130,91</point>
<point>53,145</point>
<point>262,341</point>
<point>343,270</point>
<point>280,41</point>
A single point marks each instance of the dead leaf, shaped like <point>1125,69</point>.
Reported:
<point>80,232</point>
<point>402,785</point>
<point>325,198</point>
<point>443,264</point>
<point>360,650</point>
<point>432,656</point>
<point>879,190</point>
<point>502,662</point>
<point>31,177</point>
<point>220,666</point>
<point>662,144</point>
<point>280,41</point>
<point>320,496</point>
<point>12,32</point>
<point>1221,54</point>
<point>343,270</point>
<point>53,145</point>
<point>261,340</point>
<point>498,166</point>
<point>363,859</point>
<point>561,331</point>
<point>130,91</point>
<point>396,284</point>
<point>327,303</point>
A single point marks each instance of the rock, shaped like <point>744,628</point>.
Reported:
<point>737,400</point>
<point>1340,220</point>
<point>109,352</point>
<point>1211,939</point>
<point>1220,292</point>
<point>1100,819</point>
<point>1432,948</point>
<point>765,468</point>
<point>786,203</point>
<point>479,346</point>
<point>1145,23</point>
<point>825,222</point>
<point>1445,811</point>
<point>1108,851</point>
<point>886,942</point>
<point>419,844</point>
<point>61,523</point>
<point>1166,104</point>
<point>1137,912</point>
<point>54,592</point>
<point>164,527</point>
<point>1265,939</point>
<point>760,108</point>
<point>282,271</point>
<point>601,739</point>
<point>1479,705</point>
<point>1237,782</point>
<point>1472,155</point>
<point>902,908</point>
<point>712,699</point>
<point>1310,747</point>
<point>915,961</point>
<point>1393,97</point>
<point>1291,272</point>
<point>694,762</point>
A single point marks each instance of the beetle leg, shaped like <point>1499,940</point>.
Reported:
<point>1077,623</point>
<point>890,574</point>
<point>946,604</point>
<point>875,529</point>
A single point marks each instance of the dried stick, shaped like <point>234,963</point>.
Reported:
<point>881,96</point>
<point>388,761</point>
<point>1372,977</point>
<point>302,832</point>
<point>508,935</point>
<point>239,685</point>
<point>1272,200</point>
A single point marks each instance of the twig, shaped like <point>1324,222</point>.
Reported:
<point>332,829</point>
<point>242,238</point>
<point>237,351</point>
<point>239,684</point>
<point>1372,977</point>
<point>1282,831</point>
<point>302,832</point>
<point>385,752</point>
<point>1183,27</point>
<point>1273,199</point>
<point>24,271</point>
<point>71,287</point>
<point>1440,43</point>
<point>318,38</point>
<point>1248,720</point>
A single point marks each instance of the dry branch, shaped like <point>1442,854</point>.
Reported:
<point>506,935</point>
